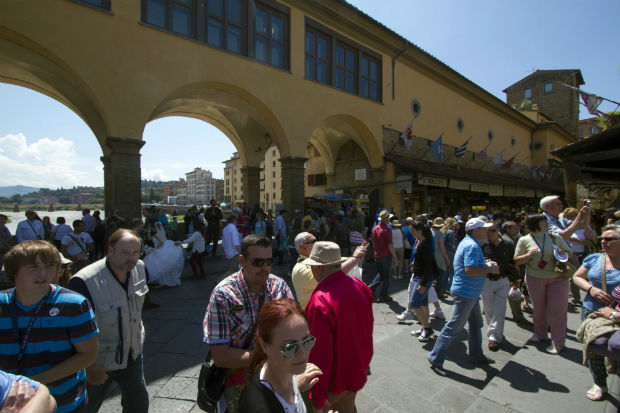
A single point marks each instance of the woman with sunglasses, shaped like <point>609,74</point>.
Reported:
<point>589,279</point>
<point>279,366</point>
<point>548,289</point>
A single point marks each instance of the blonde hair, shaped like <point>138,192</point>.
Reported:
<point>448,224</point>
<point>570,211</point>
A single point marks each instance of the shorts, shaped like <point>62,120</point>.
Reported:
<point>420,300</point>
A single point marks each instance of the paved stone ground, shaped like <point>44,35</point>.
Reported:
<point>524,379</point>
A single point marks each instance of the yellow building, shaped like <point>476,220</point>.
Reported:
<point>271,181</point>
<point>291,73</point>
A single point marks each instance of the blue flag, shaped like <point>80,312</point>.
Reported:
<point>436,150</point>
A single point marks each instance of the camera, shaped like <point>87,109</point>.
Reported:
<point>587,202</point>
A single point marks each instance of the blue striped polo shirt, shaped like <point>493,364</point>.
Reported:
<point>65,318</point>
<point>468,254</point>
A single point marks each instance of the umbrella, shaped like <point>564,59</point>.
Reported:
<point>332,197</point>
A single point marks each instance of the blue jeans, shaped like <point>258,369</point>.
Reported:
<point>134,397</point>
<point>384,265</point>
<point>445,279</point>
<point>466,310</point>
<point>418,300</point>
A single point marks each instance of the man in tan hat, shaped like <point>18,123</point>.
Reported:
<point>343,333</point>
<point>385,256</point>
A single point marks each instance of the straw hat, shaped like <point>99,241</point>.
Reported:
<point>438,222</point>
<point>385,214</point>
<point>396,224</point>
<point>324,253</point>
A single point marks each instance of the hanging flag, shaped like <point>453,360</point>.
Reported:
<point>499,158</point>
<point>609,119</point>
<point>482,155</point>
<point>591,101</point>
<point>542,171</point>
<point>436,149</point>
<point>460,151</point>
<point>407,135</point>
<point>535,171</point>
<point>507,164</point>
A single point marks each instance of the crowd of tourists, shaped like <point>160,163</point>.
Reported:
<point>72,323</point>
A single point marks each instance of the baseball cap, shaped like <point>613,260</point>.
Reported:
<point>477,223</point>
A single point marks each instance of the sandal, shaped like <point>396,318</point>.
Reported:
<point>596,393</point>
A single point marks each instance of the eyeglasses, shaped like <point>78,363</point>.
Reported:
<point>259,262</point>
<point>608,239</point>
<point>289,350</point>
<point>310,242</point>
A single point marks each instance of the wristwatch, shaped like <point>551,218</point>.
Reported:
<point>612,317</point>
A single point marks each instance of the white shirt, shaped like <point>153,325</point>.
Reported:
<point>397,238</point>
<point>580,234</point>
<point>78,245</point>
<point>29,230</point>
<point>299,405</point>
<point>230,240</point>
<point>60,231</point>
<point>198,242</point>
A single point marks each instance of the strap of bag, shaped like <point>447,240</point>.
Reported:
<point>603,271</point>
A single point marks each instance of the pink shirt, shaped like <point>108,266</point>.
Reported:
<point>381,238</point>
<point>340,317</point>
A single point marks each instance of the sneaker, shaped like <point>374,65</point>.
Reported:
<point>552,349</point>
<point>535,339</point>
<point>438,313</point>
<point>426,334</point>
<point>406,315</point>
<point>417,333</point>
<point>438,370</point>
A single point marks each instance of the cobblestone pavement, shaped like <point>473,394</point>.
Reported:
<point>524,378</point>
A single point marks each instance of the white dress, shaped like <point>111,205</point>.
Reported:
<point>165,262</point>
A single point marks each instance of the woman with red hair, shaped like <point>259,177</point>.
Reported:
<point>279,364</point>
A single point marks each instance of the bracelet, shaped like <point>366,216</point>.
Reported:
<point>588,292</point>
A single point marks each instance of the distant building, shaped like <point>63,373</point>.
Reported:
<point>219,190</point>
<point>544,88</point>
<point>81,197</point>
<point>271,180</point>
<point>588,127</point>
<point>233,187</point>
<point>168,191</point>
<point>200,187</point>
<point>182,192</point>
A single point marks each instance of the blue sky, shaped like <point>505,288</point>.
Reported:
<point>493,43</point>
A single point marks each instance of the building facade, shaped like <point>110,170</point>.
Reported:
<point>289,73</point>
<point>271,181</point>
<point>200,187</point>
<point>588,127</point>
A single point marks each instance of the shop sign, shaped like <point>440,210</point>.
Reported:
<point>455,184</point>
<point>496,190</point>
<point>480,187</point>
<point>526,192</point>
<point>404,182</point>
<point>360,174</point>
<point>339,191</point>
<point>432,181</point>
<point>510,190</point>
<point>478,207</point>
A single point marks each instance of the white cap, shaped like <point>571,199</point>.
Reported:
<point>477,223</point>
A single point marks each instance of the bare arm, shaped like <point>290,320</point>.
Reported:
<point>42,402</point>
<point>86,354</point>
<point>490,268</point>
<point>442,249</point>
<point>358,254</point>
<point>228,357</point>
<point>525,258</point>
<point>580,278</point>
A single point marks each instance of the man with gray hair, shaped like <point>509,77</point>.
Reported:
<point>343,347</point>
<point>303,280</point>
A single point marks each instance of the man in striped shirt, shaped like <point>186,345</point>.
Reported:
<point>47,333</point>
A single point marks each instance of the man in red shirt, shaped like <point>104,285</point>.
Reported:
<point>343,348</point>
<point>385,256</point>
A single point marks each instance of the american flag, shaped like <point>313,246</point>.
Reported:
<point>482,155</point>
<point>460,151</point>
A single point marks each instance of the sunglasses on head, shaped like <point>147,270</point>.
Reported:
<point>259,262</point>
<point>608,239</point>
<point>289,350</point>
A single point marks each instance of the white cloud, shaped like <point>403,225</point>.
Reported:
<point>156,174</point>
<point>48,163</point>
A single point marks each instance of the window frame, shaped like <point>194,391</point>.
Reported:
<point>548,92</point>
<point>360,52</point>
<point>286,42</point>
<point>169,17</point>
<point>106,5</point>
<point>525,93</point>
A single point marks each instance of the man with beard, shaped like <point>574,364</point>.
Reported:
<point>116,286</point>
<point>232,312</point>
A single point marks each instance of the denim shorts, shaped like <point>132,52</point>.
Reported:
<point>420,300</point>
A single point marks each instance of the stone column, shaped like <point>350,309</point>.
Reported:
<point>293,189</point>
<point>121,176</point>
<point>250,180</point>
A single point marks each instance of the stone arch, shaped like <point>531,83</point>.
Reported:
<point>26,63</point>
<point>242,117</point>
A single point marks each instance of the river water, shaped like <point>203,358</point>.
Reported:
<point>16,217</point>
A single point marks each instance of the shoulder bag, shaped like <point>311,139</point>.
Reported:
<point>564,269</point>
<point>212,379</point>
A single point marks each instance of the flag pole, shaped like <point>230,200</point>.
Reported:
<point>588,93</point>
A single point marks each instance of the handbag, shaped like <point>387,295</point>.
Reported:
<point>564,269</point>
<point>189,247</point>
<point>212,379</point>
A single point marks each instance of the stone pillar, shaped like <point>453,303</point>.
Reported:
<point>121,177</point>
<point>570,186</point>
<point>250,180</point>
<point>293,189</point>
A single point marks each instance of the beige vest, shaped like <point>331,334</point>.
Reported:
<point>108,297</point>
